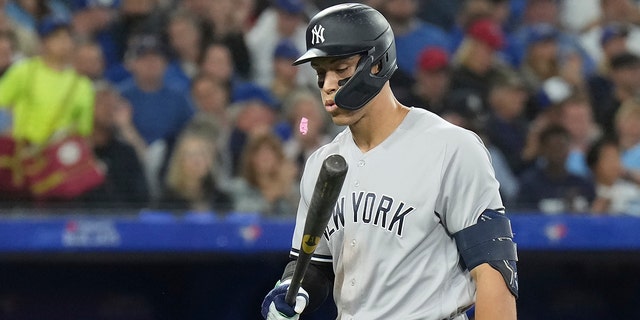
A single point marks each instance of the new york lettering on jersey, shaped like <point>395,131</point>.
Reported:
<point>369,208</point>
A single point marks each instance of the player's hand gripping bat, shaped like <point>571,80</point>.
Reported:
<point>325,194</point>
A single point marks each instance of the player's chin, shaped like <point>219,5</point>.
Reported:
<point>342,118</point>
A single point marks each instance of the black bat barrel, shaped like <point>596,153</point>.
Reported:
<point>325,194</point>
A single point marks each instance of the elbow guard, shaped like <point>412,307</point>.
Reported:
<point>490,241</point>
<point>317,282</point>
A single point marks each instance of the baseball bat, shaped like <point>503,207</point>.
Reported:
<point>325,194</point>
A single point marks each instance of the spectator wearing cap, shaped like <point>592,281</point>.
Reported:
<point>545,12</point>
<point>159,112</point>
<point>608,18</point>
<point>284,19</point>
<point>432,80</point>
<point>45,93</point>
<point>93,21</point>
<point>411,34</point>
<point>505,13</point>
<point>253,112</point>
<point>506,125</point>
<point>285,73</point>
<point>475,61</point>
<point>23,16</point>
<point>541,59</point>
<point>624,77</point>
<point>544,61</point>
<point>613,42</point>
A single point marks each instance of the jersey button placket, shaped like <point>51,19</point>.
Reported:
<point>361,163</point>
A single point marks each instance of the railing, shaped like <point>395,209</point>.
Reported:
<point>247,233</point>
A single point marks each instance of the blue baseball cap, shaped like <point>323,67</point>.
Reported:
<point>286,50</point>
<point>250,91</point>
<point>541,32</point>
<point>290,6</point>
<point>613,30</point>
<point>77,5</point>
<point>142,44</point>
<point>50,24</point>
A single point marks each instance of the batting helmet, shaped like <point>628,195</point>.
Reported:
<point>348,29</point>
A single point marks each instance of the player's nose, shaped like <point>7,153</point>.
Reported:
<point>330,84</point>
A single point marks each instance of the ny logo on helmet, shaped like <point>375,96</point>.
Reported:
<point>317,34</point>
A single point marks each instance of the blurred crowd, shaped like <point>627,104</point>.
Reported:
<point>194,105</point>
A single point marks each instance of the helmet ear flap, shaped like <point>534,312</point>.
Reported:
<point>361,87</point>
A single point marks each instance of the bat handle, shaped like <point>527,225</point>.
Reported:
<point>296,282</point>
<point>292,292</point>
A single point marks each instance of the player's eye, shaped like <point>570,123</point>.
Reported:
<point>321,76</point>
<point>342,70</point>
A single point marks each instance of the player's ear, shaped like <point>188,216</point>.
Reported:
<point>376,68</point>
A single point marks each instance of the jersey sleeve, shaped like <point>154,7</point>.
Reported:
<point>468,183</point>
<point>307,184</point>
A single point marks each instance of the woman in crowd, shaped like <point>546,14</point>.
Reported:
<point>190,183</point>
<point>267,180</point>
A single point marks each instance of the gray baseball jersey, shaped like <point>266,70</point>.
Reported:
<point>389,238</point>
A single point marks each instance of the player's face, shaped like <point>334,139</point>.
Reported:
<point>330,71</point>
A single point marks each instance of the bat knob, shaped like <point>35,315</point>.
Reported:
<point>335,164</point>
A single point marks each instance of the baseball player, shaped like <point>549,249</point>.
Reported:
<point>418,231</point>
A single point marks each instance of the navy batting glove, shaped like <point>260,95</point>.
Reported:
<point>275,307</point>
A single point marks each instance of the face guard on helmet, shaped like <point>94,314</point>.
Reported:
<point>353,29</point>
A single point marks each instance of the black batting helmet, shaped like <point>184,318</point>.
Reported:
<point>348,29</point>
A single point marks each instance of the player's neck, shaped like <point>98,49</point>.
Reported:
<point>383,116</point>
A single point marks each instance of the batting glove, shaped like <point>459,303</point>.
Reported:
<point>275,308</point>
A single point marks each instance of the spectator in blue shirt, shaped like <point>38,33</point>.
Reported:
<point>545,12</point>
<point>159,112</point>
